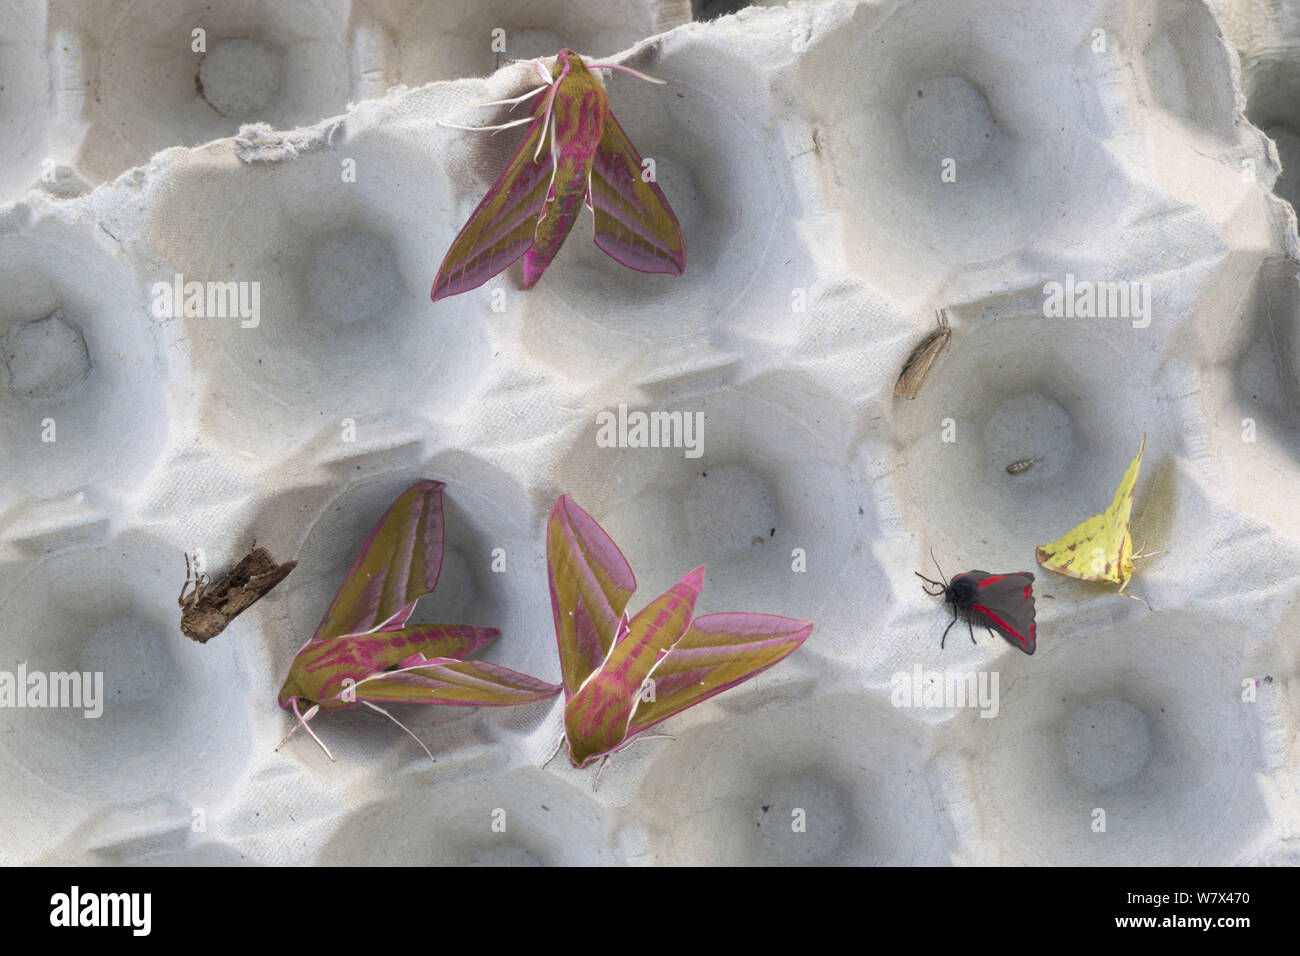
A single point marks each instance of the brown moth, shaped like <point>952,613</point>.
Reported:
<point>207,609</point>
<point>1024,464</point>
<point>923,357</point>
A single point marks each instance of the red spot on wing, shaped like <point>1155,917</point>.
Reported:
<point>993,580</point>
<point>1029,589</point>
<point>1002,624</point>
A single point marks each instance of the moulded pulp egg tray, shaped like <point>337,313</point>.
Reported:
<point>841,171</point>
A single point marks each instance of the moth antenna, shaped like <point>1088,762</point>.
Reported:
<point>483,129</point>
<point>559,743</point>
<point>928,581</point>
<point>936,564</point>
<point>311,712</point>
<point>402,725</point>
<point>627,69</point>
<point>599,770</point>
<point>181,600</point>
<point>516,100</point>
<point>651,737</point>
<point>1143,554</point>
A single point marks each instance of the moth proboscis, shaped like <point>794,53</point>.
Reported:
<point>923,357</point>
<point>207,609</point>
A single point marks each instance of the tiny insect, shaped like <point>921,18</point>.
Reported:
<point>1024,464</point>
<point>207,609</point>
<point>922,359</point>
<point>1000,602</point>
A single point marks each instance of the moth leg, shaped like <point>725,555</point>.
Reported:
<point>558,744</point>
<point>1134,596</point>
<point>302,720</point>
<point>200,579</point>
<point>946,630</point>
<point>601,769</point>
<point>1127,580</point>
<point>972,633</point>
<point>402,725</point>
<point>293,729</point>
<point>555,164</point>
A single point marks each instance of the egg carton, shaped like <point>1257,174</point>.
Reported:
<point>841,171</point>
<point>92,88</point>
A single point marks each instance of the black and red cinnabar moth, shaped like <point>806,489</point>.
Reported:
<point>1001,602</point>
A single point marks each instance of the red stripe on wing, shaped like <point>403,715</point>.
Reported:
<point>1003,624</point>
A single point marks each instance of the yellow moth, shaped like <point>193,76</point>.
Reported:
<point>923,357</point>
<point>1100,549</point>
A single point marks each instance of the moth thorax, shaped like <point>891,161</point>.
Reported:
<point>961,592</point>
<point>293,688</point>
<point>583,751</point>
